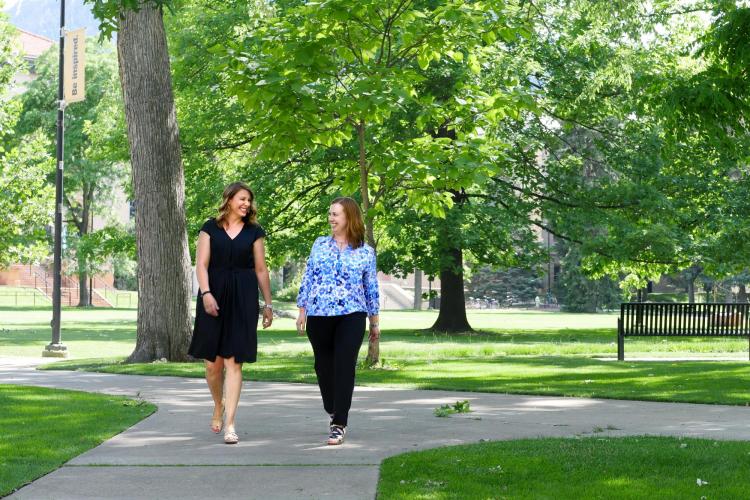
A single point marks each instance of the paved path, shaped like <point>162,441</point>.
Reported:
<point>281,454</point>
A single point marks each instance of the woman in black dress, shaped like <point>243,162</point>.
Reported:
<point>230,264</point>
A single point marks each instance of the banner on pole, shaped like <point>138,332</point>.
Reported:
<point>75,65</point>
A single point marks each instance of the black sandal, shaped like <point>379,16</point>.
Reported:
<point>336,436</point>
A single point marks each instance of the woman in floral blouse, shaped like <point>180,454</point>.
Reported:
<point>338,291</point>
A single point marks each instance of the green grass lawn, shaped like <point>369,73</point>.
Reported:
<point>514,352</point>
<point>41,429</point>
<point>590,468</point>
<point>126,299</point>
<point>11,296</point>
<point>24,331</point>
<point>91,333</point>
<point>686,381</point>
<point>511,352</point>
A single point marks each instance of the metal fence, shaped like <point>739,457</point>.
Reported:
<point>20,298</point>
<point>30,297</point>
<point>119,299</point>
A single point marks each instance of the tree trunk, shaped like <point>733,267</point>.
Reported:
<point>373,346</point>
<point>691,290</point>
<point>691,274</point>
<point>164,279</point>
<point>708,289</point>
<point>84,295</point>
<point>742,294</point>
<point>452,315</point>
<point>363,187</point>
<point>417,289</point>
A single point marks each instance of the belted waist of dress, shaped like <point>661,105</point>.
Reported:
<point>232,269</point>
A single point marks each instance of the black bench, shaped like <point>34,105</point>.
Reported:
<point>681,320</point>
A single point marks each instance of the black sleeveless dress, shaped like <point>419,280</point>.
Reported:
<point>234,285</point>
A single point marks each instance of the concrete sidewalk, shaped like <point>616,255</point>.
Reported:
<point>282,428</point>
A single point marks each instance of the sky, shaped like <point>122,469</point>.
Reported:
<point>42,17</point>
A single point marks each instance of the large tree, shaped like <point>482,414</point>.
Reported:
<point>93,169</point>
<point>26,199</point>
<point>345,83</point>
<point>591,163</point>
<point>164,279</point>
<point>10,56</point>
<point>644,140</point>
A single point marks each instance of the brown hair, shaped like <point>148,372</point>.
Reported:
<point>355,226</point>
<point>229,192</point>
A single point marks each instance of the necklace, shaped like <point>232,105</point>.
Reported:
<point>341,244</point>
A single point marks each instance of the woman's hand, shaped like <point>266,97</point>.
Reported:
<point>374,333</point>
<point>301,319</point>
<point>267,317</point>
<point>210,305</point>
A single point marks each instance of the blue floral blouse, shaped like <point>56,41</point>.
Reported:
<point>338,282</point>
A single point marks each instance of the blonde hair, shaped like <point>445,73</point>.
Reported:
<point>229,192</point>
<point>355,226</point>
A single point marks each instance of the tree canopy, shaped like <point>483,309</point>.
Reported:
<point>568,116</point>
<point>464,128</point>
<point>26,199</point>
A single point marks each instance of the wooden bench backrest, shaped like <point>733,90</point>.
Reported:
<point>646,318</point>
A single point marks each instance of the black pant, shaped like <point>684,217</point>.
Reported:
<point>336,341</point>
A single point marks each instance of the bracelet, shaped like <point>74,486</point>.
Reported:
<point>206,292</point>
<point>268,306</point>
<point>374,325</point>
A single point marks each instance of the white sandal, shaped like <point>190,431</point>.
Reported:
<point>231,437</point>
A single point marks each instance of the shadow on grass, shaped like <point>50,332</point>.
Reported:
<point>690,382</point>
<point>687,382</point>
<point>635,467</point>
<point>48,307</point>
<point>602,336</point>
<point>118,331</point>
<point>48,427</point>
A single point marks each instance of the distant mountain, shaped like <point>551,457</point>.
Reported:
<point>42,17</point>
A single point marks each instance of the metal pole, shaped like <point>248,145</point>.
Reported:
<point>56,348</point>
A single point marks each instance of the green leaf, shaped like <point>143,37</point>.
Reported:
<point>455,55</point>
<point>474,65</point>
<point>423,60</point>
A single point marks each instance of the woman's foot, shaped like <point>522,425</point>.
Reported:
<point>230,436</point>
<point>336,436</point>
<point>217,419</point>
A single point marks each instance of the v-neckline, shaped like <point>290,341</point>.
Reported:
<point>236,235</point>
<point>336,245</point>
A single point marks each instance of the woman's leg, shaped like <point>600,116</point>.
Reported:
<point>215,380</point>
<point>320,332</point>
<point>348,337</point>
<point>232,389</point>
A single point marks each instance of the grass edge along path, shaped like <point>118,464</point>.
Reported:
<point>582,468</point>
<point>42,428</point>
<point>705,382</point>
